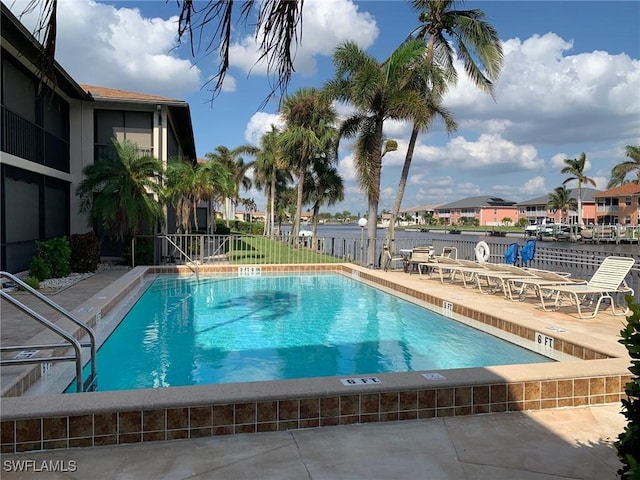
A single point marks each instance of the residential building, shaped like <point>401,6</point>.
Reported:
<point>419,215</point>
<point>52,129</point>
<point>620,205</point>
<point>484,210</point>
<point>535,209</point>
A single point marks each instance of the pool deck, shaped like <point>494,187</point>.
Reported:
<point>552,443</point>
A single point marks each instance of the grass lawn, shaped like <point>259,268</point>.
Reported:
<point>250,250</point>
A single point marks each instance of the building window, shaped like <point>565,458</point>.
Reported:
<point>627,219</point>
<point>627,201</point>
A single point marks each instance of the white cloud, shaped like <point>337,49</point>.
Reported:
<point>119,48</point>
<point>325,24</point>
<point>229,84</point>
<point>547,94</point>
<point>259,124</point>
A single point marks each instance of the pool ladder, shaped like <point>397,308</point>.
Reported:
<point>90,383</point>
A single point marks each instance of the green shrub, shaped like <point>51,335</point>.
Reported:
<point>628,443</point>
<point>85,252</point>
<point>33,282</point>
<point>221,228</point>
<point>56,253</point>
<point>39,269</point>
<point>144,252</point>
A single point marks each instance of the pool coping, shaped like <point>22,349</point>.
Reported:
<point>53,421</point>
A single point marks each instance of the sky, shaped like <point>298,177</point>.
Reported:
<point>570,83</point>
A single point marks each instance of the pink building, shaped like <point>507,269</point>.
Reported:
<point>485,211</point>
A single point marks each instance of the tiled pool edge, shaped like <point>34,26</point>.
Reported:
<point>104,418</point>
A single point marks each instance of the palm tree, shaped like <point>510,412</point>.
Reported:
<point>378,93</point>
<point>560,199</point>
<point>270,171</point>
<point>575,167</point>
<point>430,83</point>
<point>233,160</point>
<point>473,38</point>
<point>309,133</point>
<point>477,45</point>
<point>121,192</point>
<point>323,185</point>
<point>188,184</point>
<point>621,170</point>
<point>278,28</point>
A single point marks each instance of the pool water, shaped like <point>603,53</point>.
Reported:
<point>242,329</point>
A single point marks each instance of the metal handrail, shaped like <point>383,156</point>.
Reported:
<point>194,265</point>
<point>73,342</point>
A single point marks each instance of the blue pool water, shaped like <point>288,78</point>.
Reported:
<point>241,329</point>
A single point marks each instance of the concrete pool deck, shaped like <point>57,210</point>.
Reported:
<point>579,439</point>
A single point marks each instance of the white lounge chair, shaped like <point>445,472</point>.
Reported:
<point>608,280</point>
<point>450,268</point>
<point>541,278</point>
<point>496,277</point>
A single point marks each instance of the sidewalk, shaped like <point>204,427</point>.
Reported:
<point>564,444</point>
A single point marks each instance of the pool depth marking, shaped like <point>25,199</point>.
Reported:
<point>360,381</point>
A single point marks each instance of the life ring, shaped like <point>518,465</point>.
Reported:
<point>482,252</point>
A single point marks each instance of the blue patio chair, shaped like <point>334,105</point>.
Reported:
<point>511,255</point>
<point>528,252</point>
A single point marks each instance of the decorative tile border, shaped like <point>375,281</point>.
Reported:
<point>146,425</point>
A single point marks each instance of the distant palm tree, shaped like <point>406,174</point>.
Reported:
<point>271,171</point>
<point>323,185</point>
<point>621,170</point>
<point>121,193</point>
<point>233,160</point>
<point>187,184</point>
<point>560,199</point>
<point>309,133</point>
<point>575,167</point>
<point>378,93</point>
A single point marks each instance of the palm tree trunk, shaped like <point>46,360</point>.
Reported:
<point>401,187</point>
<point>374,195</point>
<point>272,213</point>
<point>295,231</point>
<point>314,226</point>
<point>580,222</point>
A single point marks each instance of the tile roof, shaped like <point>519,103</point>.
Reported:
<point>588,196</point>
<point>475,202</point>
<point>625,189</point>
<point>104,93</point>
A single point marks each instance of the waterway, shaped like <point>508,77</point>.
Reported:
<point>409,238</point>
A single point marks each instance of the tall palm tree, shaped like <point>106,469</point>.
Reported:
<point>377,92</point>
<point>443,28</point>
<point>575,168</point>
<point>621,170</point>
<point>477,45</point>
<point>560,199</point>
<point>323,185</point>
<point>270,171</point>
<point>309,133</point>
<point>430,83</point>
<point>121,192</point>
<point>233,160</point>
<point>187,184</point>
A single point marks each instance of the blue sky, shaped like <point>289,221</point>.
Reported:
<point>570,84</point>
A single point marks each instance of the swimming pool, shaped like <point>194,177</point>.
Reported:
<point>227,329</point>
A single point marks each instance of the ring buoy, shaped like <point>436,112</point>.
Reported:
<point>482,252</point>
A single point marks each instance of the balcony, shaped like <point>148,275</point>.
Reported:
<point>32,142</point>
<point>106,151</point>
<point>607,208</point>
